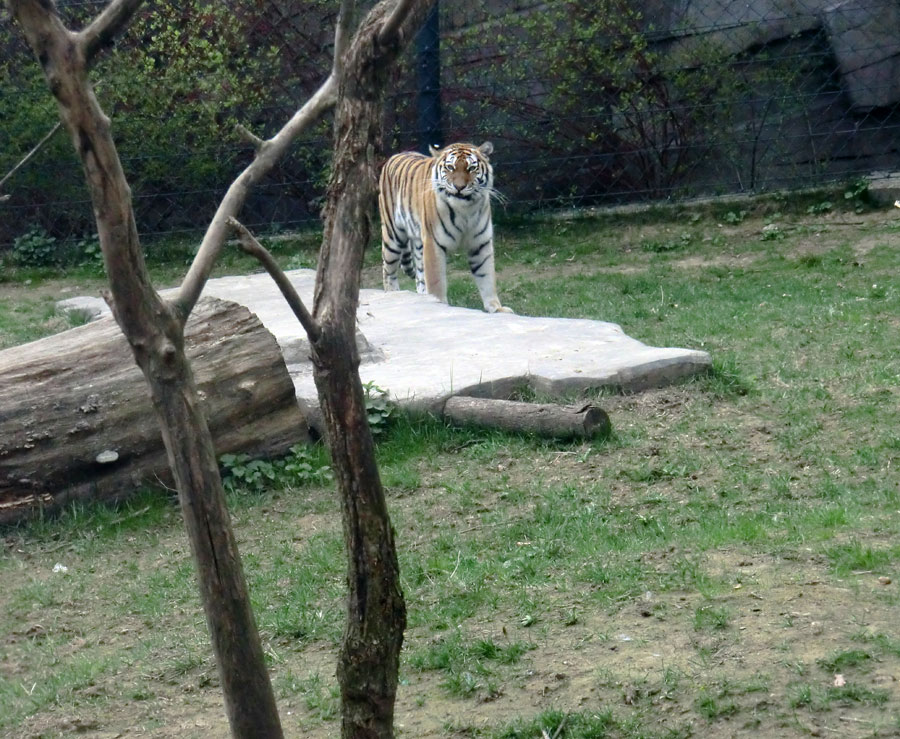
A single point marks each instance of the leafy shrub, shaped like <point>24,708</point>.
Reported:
<point>824,206</point>
<point>176,84</point>
<point>772,232</point>
<point>621,109</point>
<point>35,248</point>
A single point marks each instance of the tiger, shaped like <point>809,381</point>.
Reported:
<point>432,205</point>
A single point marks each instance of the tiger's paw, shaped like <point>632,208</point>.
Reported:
<point>497,308</point>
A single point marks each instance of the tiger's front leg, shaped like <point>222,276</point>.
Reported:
<point>389,264</point>
<point>419,266</point>
<point>435,267</point>
<point>393,252</point>
<point>481,263</point>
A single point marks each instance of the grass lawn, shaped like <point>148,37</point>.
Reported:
<point>725,564</point>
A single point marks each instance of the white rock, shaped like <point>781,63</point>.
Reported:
<point>424,351</point>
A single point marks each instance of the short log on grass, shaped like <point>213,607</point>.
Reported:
<point>77,423</point>
<point>583,421</point>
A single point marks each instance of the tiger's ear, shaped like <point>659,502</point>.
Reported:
<point>434,150</point>
<point>487,148</point>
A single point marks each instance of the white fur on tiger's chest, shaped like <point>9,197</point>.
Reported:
<point>462,223</point>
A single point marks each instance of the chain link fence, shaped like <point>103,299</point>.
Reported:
<point>587,102</point>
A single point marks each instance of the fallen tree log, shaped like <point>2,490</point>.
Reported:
<point>76,420</point>
<point>563,422</point>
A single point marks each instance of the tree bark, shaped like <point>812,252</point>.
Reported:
<point>376,612</point>
<point>557,421</point>
<point>155,332</point>
<point>77,422</point>
<point>154,329</point>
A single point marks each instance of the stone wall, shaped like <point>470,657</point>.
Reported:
<point>838,119</point>
<point>864,36</point>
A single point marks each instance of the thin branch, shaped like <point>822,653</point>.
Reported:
<point>103,29</point>
<point>342,33</point>
<point>251,138</point>
<point>251,246</point>
<point>40,145</point>
<point>28,156</point>
<point>392,23</point>
<point>267,155</point>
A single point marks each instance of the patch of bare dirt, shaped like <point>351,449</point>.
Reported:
<point>50,290</point>
<point>649,658</point>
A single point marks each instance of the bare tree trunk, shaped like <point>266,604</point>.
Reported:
<point>155,332</point>
<point>154,329</point>
<point>376,613</point>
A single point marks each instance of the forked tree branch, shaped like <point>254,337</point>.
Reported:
<point>37,147</point>
<point>156,338</point>
<point>103,29</point>
<point>268,153</point>
<point>251,138</point>
<point>251,246</point>
<point>376,615</point>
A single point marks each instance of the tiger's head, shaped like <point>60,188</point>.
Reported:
<point>463,170</point>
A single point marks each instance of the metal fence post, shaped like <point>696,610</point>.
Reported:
<point>428,51</point>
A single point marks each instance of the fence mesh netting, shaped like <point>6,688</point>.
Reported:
<point>587,102</point>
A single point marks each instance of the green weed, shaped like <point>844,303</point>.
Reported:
<point>302,466</point>
<point>563,725</point>
<point>470,666</point>
<point>711,618</point>
<point>841,661</point>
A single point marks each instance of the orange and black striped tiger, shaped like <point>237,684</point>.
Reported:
<point>431,205</point>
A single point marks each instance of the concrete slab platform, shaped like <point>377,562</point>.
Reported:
<point>422,351</point>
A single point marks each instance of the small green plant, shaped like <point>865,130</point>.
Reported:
<point>255,475</point>
<point>379,408</point>
<point>843,660</point>
<point>772,232</point>
<point>469,667</point>
<point>801,696</point>
<point>857,194</point>
<point>587,725</point>
<point>712,707</point>
<point>734,217</point>
<point>89,253</point>
<point>818,208</point>
<point>708,617</point>
<point>242,471</point>
<point>35,248</point>
<point>321,699</point>
<point>665,245</point>
<point>300,467</point>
